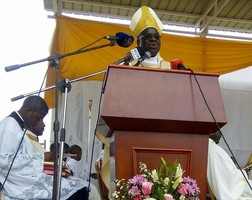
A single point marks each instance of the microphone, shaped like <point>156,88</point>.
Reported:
<point>178,64</point>
<point>122,39</point>
<point>146,55</point>
<point>133,54</point>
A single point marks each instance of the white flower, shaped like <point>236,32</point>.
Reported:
<point>166,181</point>
<point>154,175</point>
<point>143,166</point>
<point>178,176</point>
<point>115,194</point>
<point>182,197</point>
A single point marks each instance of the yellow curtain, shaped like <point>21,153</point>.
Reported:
<point>199,54</point>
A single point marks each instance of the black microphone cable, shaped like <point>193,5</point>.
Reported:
<point>95,130</point>
<point>76,51</point>
<point>202,94</point>
<point>119,41</point>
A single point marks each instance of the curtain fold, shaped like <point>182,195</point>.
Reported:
<point>199,54</point>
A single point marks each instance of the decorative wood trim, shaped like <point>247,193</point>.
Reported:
<point>169,154</point>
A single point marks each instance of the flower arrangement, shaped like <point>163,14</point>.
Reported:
<point>166,183</point>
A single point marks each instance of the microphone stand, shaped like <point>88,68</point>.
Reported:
<point>55,63</point>
<point>64,87</point>
<point>53,86</point>
<point>123,60</point>
<point>57,57</point>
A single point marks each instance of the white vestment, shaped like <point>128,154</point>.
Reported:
<point>26,179</point>
<point>224,178</point>
<point>156,62</point>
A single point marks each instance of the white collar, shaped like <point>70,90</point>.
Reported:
<point>152,60</point>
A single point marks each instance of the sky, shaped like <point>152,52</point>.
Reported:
<point>25,36</point>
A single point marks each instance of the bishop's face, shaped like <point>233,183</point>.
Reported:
<point>149,40</point>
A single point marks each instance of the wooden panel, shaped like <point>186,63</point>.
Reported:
<point>129,147</point>
<point>170,155</point>
<point>141,99</point>
<point>160,113</point>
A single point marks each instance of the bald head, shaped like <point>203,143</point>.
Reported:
<point>33,110</point>
<point>216,136</point>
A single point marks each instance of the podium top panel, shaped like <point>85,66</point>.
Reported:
<point>146,99</point>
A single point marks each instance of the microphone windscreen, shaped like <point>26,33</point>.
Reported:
<point>136,53</point>
<point>147,55</point>
<point>124,40</point>
<point>175,63</point>
<point>141,51</point>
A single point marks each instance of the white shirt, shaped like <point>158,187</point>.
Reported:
<point>73,164</point>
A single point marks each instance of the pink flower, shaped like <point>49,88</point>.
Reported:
<point>192,186</point>
<point>134,191</point>
<point>146,188</point>
<point>168,197</point>
<point>137,180</point>
<point>138,197</point>
<point>183,189</point>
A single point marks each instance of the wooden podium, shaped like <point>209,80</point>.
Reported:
<point>160,113</point>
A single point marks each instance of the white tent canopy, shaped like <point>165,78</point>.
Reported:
<point>236,89</point>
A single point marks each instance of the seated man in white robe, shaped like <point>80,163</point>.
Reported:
<point>24,178</point>
<point>225,180</point>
